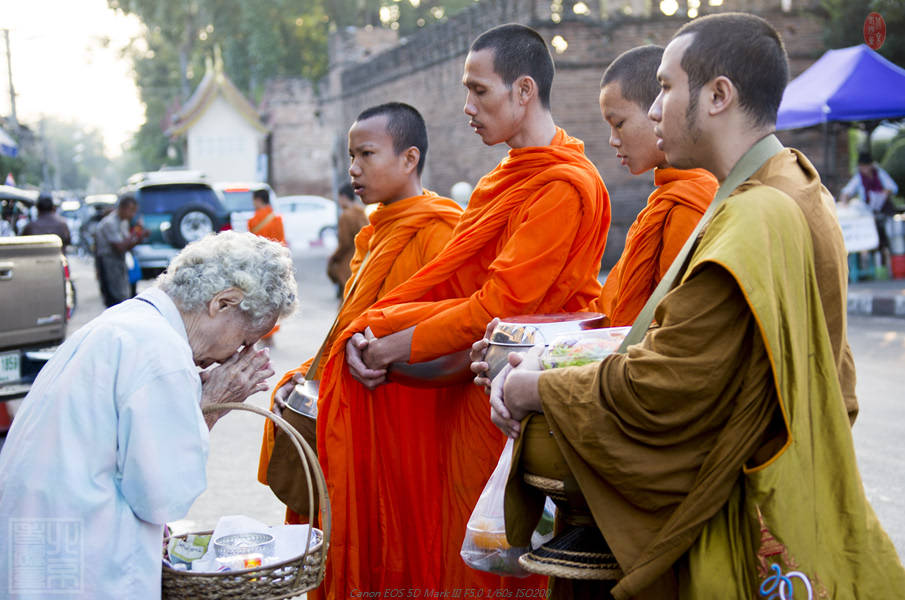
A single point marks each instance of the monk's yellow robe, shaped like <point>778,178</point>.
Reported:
<point>405,466</point>
<point>791,172</point>
<point>654,239</point>
<point>720,445</point>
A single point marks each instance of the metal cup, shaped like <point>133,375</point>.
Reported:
<point>303,398</point>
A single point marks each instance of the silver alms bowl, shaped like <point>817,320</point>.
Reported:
<point>520,334</point>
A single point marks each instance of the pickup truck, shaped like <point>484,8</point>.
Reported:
<point>36,302</point>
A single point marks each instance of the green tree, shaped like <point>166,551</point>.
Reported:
<point>259,40</point>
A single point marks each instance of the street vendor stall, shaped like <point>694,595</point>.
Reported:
<point>847,85</point>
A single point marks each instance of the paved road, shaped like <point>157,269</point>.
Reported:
<point>878,344</point>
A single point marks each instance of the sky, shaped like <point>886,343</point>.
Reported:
<point>62,68</point>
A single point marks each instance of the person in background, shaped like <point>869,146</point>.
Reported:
<point>351,220</point>
<point>114,237</point>
<point>48,222</point>
<point>875,188</point>
<point>7,229</point>
<point>265,222</point>
<point>111,443</point>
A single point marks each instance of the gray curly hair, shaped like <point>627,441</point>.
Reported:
<point>260,268</point>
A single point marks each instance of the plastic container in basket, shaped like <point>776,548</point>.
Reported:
<point>279,581</point>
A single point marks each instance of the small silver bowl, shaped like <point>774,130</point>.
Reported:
<point>520,334</point>
<point>244,543</point>
<point>303,398</point>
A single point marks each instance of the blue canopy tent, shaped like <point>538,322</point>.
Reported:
<point>850,84</point>
<point>847,85</point>
<point>8,145</point>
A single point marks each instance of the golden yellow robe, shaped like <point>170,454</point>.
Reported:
<point>743,370</point>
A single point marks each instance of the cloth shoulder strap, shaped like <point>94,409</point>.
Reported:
<point>264,222</point>
<point>320,351</point>
<point>747,166</point>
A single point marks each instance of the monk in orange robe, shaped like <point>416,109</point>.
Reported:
<point>409,227</point>
<point>265,222</point>
<point>628,88</point>
<point>405,466</point>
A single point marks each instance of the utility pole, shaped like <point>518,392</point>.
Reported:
<point>46,182</point>
<point>12,90</point>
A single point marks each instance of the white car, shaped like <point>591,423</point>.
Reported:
<point>309,221</point>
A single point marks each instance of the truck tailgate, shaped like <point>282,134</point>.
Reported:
<point>32,291</point>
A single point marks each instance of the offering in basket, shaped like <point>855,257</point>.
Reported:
<point>244,543</point>
<point>579,550</point>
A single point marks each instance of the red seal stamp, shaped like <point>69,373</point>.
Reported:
<point>874,30</point>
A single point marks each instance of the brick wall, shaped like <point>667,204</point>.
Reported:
<point>301,139</point>
<point>368,67</point>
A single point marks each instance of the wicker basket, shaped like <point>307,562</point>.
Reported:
<point>273,582</point>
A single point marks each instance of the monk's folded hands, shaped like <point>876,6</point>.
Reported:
<point>370,378</point>
<point>477,354</point>
<point>514,393</point>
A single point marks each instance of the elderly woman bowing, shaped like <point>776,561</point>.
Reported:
<point>110,443</point>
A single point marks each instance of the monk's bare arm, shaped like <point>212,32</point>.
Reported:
<point>396,347</point>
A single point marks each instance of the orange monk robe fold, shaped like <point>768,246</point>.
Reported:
<point>405,466</point>
<point>654,239</point>
<point>401,238</point>
<point>267,224</point>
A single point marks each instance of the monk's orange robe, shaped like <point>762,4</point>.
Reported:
<point>264,225</point>
<point>654,239</point>
<point>405,466</point>
<point>401,238</point>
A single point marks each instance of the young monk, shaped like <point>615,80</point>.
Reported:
<point>627,90</point>
<point>265,222</point>
<point>388,147</point>
<point>404,469</point>
<point>716,455</point>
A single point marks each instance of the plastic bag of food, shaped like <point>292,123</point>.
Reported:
<point>582,347</point>
<point>485,546</point>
